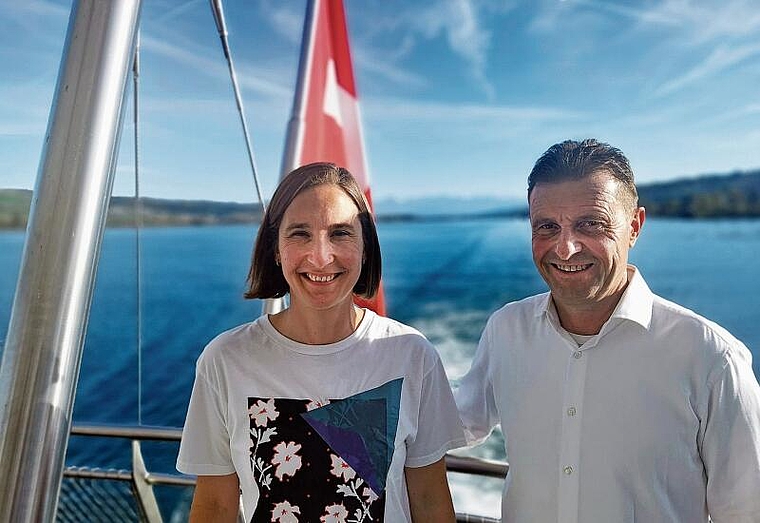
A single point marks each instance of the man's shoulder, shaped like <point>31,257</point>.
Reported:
<point>520,309</point>
<point>685,323</point>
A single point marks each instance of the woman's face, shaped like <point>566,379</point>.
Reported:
<point>321,249</point>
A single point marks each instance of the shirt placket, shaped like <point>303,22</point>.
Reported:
<point>569,463</point>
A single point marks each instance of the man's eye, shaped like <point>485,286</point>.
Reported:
<point>545,227</point>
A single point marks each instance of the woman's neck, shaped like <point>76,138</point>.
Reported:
<point>317,327</point>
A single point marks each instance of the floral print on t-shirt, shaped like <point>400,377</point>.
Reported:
<point>323,460</point>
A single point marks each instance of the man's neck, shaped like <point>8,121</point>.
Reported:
<point>588,320</point>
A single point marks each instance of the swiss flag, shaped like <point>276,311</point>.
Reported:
<point>326,124</point>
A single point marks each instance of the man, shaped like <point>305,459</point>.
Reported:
<point>616,405</point>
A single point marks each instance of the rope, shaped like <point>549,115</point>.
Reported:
<point>138,225</point>
<point>221,26</point>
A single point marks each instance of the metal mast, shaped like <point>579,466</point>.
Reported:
<point>43,351</point>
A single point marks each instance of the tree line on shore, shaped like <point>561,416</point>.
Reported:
<point>732,195</point>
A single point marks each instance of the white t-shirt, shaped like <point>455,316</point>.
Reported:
<point>656,418</point>
<point>319,432</point>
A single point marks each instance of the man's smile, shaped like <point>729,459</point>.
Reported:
<point>566,267</point>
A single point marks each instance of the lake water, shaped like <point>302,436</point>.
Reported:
<point>443,278</point>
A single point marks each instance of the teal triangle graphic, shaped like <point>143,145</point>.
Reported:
<point>361,429</point>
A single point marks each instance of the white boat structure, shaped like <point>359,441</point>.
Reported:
<point>45,340</point>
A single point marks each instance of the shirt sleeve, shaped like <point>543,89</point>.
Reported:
<point>475,394</point>
<point>439,428</point>
<point>205,445</point>
<point>730,445</point>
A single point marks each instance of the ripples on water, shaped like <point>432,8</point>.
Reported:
<point>443,278</point>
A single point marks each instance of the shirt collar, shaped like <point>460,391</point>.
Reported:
<point>637,300</point>
<point>635,304</point>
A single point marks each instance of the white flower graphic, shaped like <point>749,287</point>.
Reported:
<point>286,459</point>
<point>334,514</point>
<point>341,469</point>
<point>261,412</point>
<point>315,404</point>
<point>369,494</point>
<point>284,512</point>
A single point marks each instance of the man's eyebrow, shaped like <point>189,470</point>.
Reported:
<point>594,216</point>
<point>539,219</point>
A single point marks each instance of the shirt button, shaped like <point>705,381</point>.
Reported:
<point>571,411</point>
<point>577,354</point>
<point>567,470</point>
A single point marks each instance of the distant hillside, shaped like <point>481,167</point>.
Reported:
<point>445,205</point>
<point>157,211</point>
<point>710,196</point>
<point>14,208</point>
<point>713,196</point>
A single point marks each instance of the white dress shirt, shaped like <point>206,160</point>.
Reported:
<point>654,419</point>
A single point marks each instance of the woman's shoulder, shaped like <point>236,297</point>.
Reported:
<point>383,325</point>
<point>229,341</point>
<point>396,334</point>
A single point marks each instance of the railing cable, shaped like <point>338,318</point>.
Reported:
<point>221,26</point>
<point>138,224</point>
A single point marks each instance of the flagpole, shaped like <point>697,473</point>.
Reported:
<point>294,139</point>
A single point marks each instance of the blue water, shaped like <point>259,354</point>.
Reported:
<point>443,278</point>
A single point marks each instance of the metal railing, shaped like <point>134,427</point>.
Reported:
<point>142,481</point>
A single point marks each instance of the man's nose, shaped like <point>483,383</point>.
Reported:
<point>567,245</point>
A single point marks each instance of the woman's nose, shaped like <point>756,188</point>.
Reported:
<point>322,252</point>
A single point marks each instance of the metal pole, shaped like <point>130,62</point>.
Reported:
<point>295,130</point>
<point>43,351</point>
<point>294,138</point>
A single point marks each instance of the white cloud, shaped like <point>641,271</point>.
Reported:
<point>384,66</point>
<point>216,67</point>
<point>721,58</point>
<point>399,110</point>
<point>460,21</point>
<point>177,11</point>
<point>285,20</point>
<point>19,128</point>
<point>33,9</point>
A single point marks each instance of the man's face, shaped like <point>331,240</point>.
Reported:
<point>582,232</point>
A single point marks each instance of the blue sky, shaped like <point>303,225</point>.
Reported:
<point>459,97</point>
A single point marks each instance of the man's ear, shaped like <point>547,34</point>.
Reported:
<point>637,222</point>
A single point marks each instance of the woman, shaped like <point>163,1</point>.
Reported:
<point>323,412</point>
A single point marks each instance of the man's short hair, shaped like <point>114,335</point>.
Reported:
<point>573,160</point>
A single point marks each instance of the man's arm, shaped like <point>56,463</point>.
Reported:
<point>216,498</point>
<point>730,443</point>
<point>475,394</point>
<point>429,495</point>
